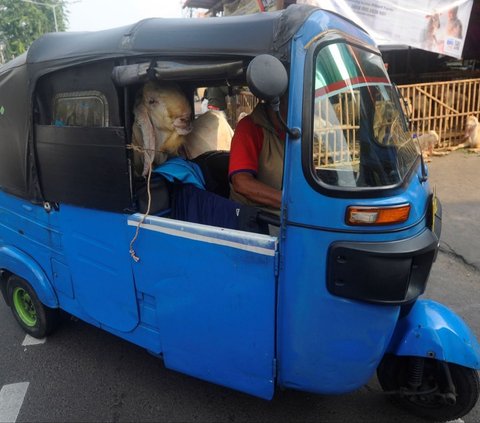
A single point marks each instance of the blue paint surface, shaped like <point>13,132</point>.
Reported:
<point>433,330</point>
<point>328,344</point>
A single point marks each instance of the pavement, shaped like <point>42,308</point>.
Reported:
<point>457,181</point>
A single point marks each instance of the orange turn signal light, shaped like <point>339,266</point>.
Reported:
<point>359,215</point>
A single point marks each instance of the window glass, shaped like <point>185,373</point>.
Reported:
<point>81,108</point>
<point>360,137</point>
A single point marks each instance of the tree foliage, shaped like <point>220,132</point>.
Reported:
<point>22,22</point>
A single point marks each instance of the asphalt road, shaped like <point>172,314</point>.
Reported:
<point>83,374</point>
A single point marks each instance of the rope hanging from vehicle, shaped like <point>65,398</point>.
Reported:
<point>132,252</point>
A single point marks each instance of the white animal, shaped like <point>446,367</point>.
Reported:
<point>427,143</point>
<point>472,136</point>
<point>163,117</point>
<point>211,131</point>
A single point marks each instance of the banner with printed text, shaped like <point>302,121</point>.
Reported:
<point>434,25</point>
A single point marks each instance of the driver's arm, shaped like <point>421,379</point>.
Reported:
<point>247,185</point>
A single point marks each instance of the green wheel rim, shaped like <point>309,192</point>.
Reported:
<point>24,307</point>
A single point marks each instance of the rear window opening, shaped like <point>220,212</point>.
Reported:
<point>84,140</point>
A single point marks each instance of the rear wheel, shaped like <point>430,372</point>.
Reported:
<point>422,386</point>
<point>35,318</point>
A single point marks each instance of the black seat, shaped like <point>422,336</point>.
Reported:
<point>159,193</point>
<point>214,165</point>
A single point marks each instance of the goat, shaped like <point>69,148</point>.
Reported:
<point>472,136</point>
<point>427,143</point>
<point>162,120</point>
<point>444,104</point>
<point>407,107</point>
<point>211,131</point>
<point>420,106</point>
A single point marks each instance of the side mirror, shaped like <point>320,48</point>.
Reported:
<point>267,77</point>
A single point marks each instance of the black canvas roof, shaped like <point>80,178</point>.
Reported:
<point>239,36</point>
<point>227,38</point>
<point>247,35</point>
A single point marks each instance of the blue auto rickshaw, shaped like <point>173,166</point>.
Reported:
<point>319,307</point>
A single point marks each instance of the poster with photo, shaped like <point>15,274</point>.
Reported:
<point>434,25</point>
<point>245,7</point>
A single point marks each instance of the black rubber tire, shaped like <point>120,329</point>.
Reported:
<point>393,374</point>
<point>46,319</point>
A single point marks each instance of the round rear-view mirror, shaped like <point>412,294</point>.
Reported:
<point>267,77</point>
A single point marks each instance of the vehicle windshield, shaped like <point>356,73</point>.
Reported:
<point>360,137</point>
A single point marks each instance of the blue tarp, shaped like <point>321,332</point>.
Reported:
<point>180,170</point>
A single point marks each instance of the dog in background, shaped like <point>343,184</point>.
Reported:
<point>163,117</point>
<point>472,136</point>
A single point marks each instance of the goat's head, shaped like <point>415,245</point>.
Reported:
<point>471,126</point>
<point>168,107</point>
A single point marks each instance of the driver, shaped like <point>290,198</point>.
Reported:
<point>256,159</point>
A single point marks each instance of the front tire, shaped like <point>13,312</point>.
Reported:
<point>35,318</point>
<point>393,374</point>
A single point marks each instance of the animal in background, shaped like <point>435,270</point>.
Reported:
<point>347,108</point>
<point>420,106</point>
<point>407,107</point>
<point>427,143</point>
<point>472,132</point>
<point>163,117</point>
<point>472,135</point>
<point>430,105</point>
<point>211,131</point>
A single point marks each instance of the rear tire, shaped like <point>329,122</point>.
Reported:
<point>35,318</point>
<point>393,375</point>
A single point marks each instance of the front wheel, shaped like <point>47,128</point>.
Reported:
<point>35,318</point>
<point>424,386</point>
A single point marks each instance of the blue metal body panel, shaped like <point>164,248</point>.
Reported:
<point>328,344</point>
<point>99,262</point>
<point>212,292</point>
<point>433,330</point>
<point>21,264</point>
<point>202,297</point>
<point>28,240</point>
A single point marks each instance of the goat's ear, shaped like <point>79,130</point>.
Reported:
<point>142,120</point>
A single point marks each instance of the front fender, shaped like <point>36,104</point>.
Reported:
<point>21,264</point>
<point>434,331</point>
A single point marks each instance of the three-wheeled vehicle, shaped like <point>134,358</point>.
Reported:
<point>321,306</point>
